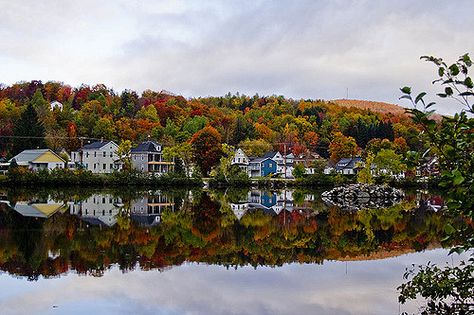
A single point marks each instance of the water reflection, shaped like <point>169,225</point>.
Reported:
<point>48,233</point>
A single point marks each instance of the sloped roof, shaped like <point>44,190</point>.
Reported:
<point>27,156</point>
<point>260,160</point>
<point>147,146</point>
<point>96,145</point>
<point>348,163</point>
<point>270,154</point>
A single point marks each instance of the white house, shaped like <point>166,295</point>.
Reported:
<point>98,157</point>
<point>39,159</point>
<point>241,159</point>
<point>55,105</point>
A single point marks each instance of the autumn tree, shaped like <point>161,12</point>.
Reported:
<point>342,146</point>
<point>255,147</point>
<point>206,146</point>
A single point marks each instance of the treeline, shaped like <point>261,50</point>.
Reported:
<point>256,123</point>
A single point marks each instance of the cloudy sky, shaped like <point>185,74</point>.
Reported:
<point>338,288</point>
<point>300,49</point>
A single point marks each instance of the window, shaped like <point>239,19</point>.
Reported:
<point>104,166</point>
<point>95,166</point>
<point>95,154</point>
<point>103,200</point>
<point>87,154</point>
<point>111,154</point>
<point>104,153</point>
<point>111,166</point>
<point>142,157</point>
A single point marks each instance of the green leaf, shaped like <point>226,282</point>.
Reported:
<point>466,94</point>
<point>420,97</point>
<point>448,91</point>
<point>457,178</point>
<point>454,69</point>
<point>406,90</point>
<point>430,104</point>
<point>467,60</point>
<point>468,82</point>
<point>441,71</point>
<point>449,229</point>
<point>442,95</point>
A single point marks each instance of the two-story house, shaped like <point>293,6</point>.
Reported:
<point>240,159</point>
<point>147,157</point>
<point>261,167</point>
<point>98,157</point>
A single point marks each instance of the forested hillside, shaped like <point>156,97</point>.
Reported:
<point>255,123</point>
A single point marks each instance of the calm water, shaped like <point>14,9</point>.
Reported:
<point>214,252</point>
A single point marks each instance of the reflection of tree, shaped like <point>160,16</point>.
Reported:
<point>203,230</point>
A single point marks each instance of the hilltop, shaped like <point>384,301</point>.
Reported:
<point>380,107</point>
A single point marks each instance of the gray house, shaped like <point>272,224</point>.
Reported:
<point>147,157</point>
<point>98,157</point>
<point>349,166</point>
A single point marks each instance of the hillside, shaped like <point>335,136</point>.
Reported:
<point>379,107</point>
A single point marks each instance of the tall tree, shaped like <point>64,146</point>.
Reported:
<point>207,150</point>
<point>29,132</point>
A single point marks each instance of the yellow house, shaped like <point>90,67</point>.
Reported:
<point>39,159</point>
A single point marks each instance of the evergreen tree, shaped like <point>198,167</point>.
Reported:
<point>29,132</point>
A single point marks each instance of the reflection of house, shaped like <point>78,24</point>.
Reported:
<point>99,209</point>
<point>429,167</point>
<point>39,208</point>
<point>239,209</point>
<point>349,166</point>
<point>147,157</point>
<point>147,210</point>
<point>240,159</point>
<point>40,159</point>
<point>98,157</point>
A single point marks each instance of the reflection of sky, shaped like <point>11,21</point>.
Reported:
<point>368,287</point>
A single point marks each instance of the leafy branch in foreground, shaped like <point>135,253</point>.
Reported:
<point>449,290</point>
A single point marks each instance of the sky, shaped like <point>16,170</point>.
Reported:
<point>335,287</point>
<point>299,49</point>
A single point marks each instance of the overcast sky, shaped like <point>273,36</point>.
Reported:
<point>300,49</point>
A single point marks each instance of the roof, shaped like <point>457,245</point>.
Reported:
<point>270,154</point>
<point>96,145</point>
<point>260,160</point>
<point>27,156</point>
<point>147,146</point>
<point>348,163</point>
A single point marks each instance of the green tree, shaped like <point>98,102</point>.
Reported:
<point>448,290</point>
<point>181,152</point>
<point>365,174</point>
<point>28,132</point>
<point>124,154</point>
<point>299,170</point>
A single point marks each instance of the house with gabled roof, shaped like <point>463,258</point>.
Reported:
<point>147,157</point>
<point>349,166</point>
<point>39,159</point>
<point>261,167</point>
<point>240,159</point>
<point>98,157</point>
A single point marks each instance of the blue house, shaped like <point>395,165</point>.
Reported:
<point>261,167</point>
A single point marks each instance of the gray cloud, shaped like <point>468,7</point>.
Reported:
<point>309,49</point>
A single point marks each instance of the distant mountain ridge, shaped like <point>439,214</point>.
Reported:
<point>380,107</point>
